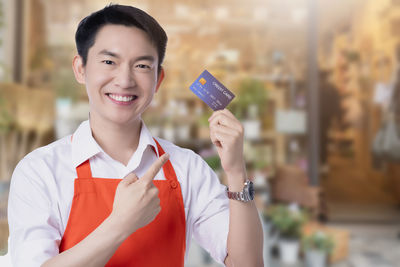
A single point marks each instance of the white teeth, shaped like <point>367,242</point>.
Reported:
<point>121,98</point>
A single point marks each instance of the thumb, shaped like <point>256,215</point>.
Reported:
<point>130,178</point>
<point>155,168</point>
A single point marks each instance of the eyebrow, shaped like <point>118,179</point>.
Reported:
<point>112,54</point>
<point>145,57</point>
<point>108,53</point>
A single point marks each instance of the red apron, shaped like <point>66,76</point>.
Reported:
<point>160,243</point>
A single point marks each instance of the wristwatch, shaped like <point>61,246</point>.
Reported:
<point>246,195</point>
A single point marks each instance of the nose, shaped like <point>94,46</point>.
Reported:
<point>125,78</point>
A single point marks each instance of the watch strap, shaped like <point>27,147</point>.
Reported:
<point>242,196</point>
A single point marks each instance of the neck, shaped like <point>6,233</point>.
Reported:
<point>118,141</point>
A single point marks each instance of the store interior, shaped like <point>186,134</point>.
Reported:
<point>316,84</point>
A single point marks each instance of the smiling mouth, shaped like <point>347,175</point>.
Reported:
<point>122,98</point>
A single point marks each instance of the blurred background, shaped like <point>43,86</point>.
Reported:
<point>317,89</point>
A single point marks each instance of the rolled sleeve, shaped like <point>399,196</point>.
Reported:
<point>34,228</point>
<point>211,212</point>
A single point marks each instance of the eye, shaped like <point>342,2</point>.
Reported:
<point>108,62</point>
<point>143,66</point>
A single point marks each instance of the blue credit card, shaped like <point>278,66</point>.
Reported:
<point>211,91</point>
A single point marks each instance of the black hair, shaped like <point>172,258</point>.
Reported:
<point>119,15</point>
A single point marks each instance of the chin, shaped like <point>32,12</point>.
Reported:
<point>124,121</point>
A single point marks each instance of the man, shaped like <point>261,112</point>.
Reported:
<point>60,215</point>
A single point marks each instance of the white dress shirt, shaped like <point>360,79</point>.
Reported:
<point>42,187</point>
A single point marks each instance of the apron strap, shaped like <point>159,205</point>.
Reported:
<point>169,171</point>
<point>83,170</point>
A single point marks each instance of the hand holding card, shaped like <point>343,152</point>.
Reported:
<point>211,91</point>
<point>226,132</point>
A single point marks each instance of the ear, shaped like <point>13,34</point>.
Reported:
<point>79,69</point>
<point>160,78</point>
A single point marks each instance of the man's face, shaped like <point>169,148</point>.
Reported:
<point>120,74</point>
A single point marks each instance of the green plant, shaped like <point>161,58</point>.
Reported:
<point>6,120</point>
<point>66,85</point>
<point>203,120</point>
<point>214,162</point>
<point>352,56</point>
<point>1,17</point>
<point>260,164</point>
<point>288,220</point>
<point>1,26</point>
<point>250,92</point>
<point>318,240</point>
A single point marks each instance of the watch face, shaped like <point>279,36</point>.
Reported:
<point>251,190</point>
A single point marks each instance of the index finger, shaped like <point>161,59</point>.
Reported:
<point>223,119</point>
<point>225,111</point>
<point>155,168</point>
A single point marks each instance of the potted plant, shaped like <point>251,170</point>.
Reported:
<point>250,105</point>
<point>203,128</point>
<point>317,247</point>
<point>288,220</point>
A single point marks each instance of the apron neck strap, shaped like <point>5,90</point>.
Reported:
<point>169,171</point>
<point>83,170</point>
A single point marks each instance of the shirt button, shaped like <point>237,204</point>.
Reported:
<point>173,184</point>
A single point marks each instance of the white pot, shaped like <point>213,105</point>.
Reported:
<point>183,132</point>
<point>169,134</point>
<point>270,240</point>
<point>64,125</point>
<point>289,251</point>
<point>252,129</point>
<point>155,130</point>
<point>315,258</point>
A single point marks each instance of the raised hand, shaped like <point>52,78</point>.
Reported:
<point>136,201</point>
<point>227,133</point>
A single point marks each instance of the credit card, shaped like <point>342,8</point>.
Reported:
<point>211,91</point>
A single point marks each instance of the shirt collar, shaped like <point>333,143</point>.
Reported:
<point>146,141</point>
<point>84,146</point>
